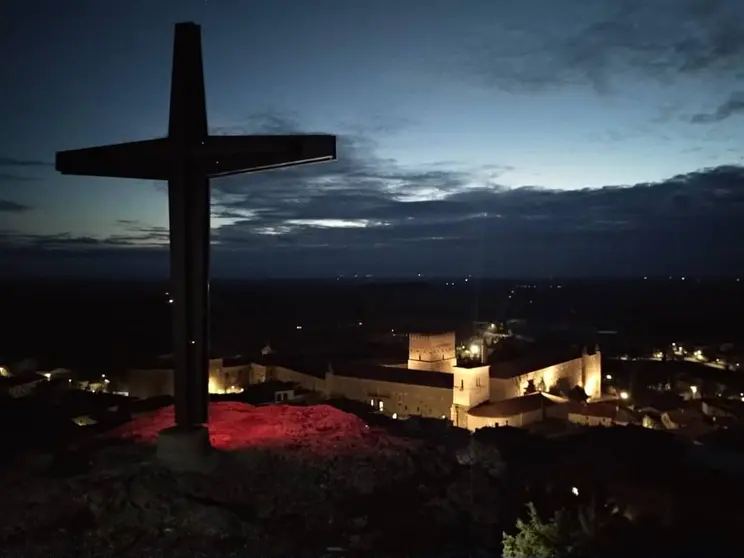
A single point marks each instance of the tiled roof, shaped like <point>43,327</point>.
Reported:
<point>529,363</point>
<point>514,406</point>
<point>601,409</point>
<point>372,371</point>
<point>312,365</point>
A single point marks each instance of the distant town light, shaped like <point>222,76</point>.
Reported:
<point>608,377</point>
<point>395,415</point>
<point>475,349</point>
<point>693,389</point>
<point>624,395</point>
<point>575,491</point>
<point>170,301</point>
<point>360,323</point>
<point>299,327</point>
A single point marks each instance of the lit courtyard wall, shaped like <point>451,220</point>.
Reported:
<point>402,399</point>
<point>508,388</point>
<point>593,374</point>
<point>154,382</point>
<point>145,383</point>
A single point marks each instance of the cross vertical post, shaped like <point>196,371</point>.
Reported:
<point>189,212</point>
<point>188,158</point>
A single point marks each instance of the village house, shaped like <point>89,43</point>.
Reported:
<point>601,413</point>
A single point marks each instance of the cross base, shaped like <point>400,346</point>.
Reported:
<point>186,449</point>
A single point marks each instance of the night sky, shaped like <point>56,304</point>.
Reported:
<point>493,138</point>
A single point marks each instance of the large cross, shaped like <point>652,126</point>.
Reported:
<point>187,158</point>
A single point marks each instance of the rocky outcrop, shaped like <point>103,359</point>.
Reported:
<point>344,485</point>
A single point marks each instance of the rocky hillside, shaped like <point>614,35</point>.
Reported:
<point>292,481</point>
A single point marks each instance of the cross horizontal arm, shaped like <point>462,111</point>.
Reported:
<point>149,159</point>
<point>227,155</point>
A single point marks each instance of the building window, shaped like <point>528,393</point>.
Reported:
<point>382,406</point>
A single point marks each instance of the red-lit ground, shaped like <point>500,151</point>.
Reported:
<point>232,425</point>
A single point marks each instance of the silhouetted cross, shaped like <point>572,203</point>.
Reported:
<point>187,159</point>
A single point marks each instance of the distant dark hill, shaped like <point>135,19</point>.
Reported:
<point>65,321</point>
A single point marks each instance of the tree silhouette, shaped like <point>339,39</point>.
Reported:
<point>530,387</point>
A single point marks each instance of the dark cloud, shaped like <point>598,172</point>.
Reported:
<point>14,165</point>
<point>733,106</point>
<point>661,40</point>
<point>8,206</point>
<point>13,162</point>
<point>13,177</point>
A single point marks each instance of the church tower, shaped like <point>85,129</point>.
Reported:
<point>591,372</point>
<point>433,352</point>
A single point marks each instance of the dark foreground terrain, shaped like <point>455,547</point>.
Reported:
<point>317,481</point>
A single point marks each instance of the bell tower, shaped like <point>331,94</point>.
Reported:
<point>434,352</point>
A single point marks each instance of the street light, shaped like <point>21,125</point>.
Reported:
<point>624,395</point>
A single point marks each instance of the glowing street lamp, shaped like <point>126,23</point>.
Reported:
<point>624,395</point>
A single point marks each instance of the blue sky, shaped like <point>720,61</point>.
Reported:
<point>535,137</point>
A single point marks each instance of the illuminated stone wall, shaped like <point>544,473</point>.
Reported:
<point>228,379</point>
<point>593,374</point>
<point>400,399</point>
<point>470,386</point>
<point>145,383</point>
<point>506,388</point>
